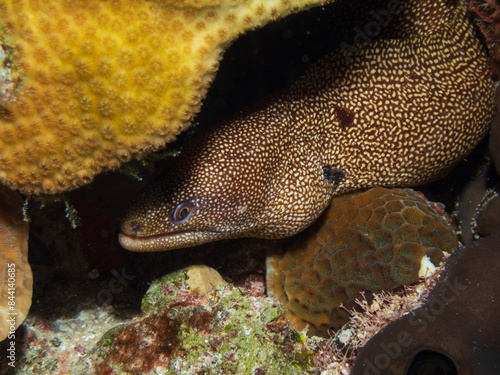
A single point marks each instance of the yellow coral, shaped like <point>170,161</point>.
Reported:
<point>16,280</point>
<point>103,81</point>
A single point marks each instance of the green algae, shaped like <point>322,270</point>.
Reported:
<point>225,331</point>
<point>237,339</point>
<point>157,296</point>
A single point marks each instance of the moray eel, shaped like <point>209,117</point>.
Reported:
<point>396,112</point>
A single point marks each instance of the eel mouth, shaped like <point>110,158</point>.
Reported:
<point>163,242</point>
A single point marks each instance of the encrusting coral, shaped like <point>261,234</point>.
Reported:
<point>16,279</point>
<point>367,241</point>
<point>100,82</point>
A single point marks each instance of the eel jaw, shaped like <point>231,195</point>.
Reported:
<point>170,241</point>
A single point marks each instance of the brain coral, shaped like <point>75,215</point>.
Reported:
<point>370,241</point>
<point>100,82</point>
<point>16,279</point>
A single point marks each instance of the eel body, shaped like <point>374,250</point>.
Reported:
<point>398,112</point>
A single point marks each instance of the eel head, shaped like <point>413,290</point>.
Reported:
<point>230,183</point>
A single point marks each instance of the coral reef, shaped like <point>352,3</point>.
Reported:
<point>62,329</point>
<point>221,332</point>
<point>101,82</point>
<point>455,332</point>
<point>77,343</point>
<point>271,170</point>
<point>16,279</point>
<point>367,241</point>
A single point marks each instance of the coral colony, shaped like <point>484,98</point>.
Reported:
<point>96,83</point>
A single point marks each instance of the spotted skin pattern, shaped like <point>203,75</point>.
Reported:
<point>397,112</point>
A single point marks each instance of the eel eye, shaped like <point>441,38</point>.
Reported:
<point>182,212</point>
